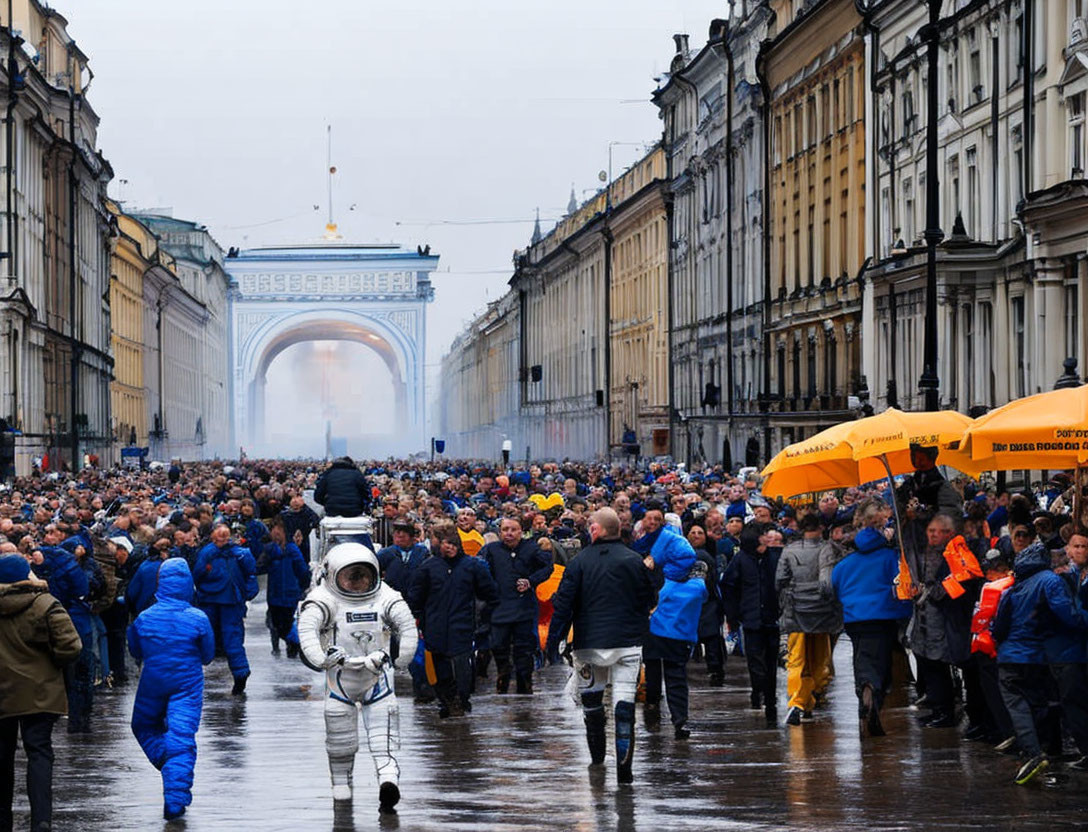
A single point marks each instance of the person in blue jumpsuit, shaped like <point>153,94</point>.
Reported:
<point>225,576</point>
<point>174,640</point>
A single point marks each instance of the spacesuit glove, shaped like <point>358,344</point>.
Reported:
<point>335,656</point>
<point>375,661</point>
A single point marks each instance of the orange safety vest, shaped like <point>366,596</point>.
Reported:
<point>963,563</point>
<point>472,542</point>
<point>544,593</point>
<point>982,640</point>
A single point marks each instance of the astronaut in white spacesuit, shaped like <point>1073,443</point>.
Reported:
<point>344,628</point>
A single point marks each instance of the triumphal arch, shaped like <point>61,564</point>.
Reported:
<point>375,295</point>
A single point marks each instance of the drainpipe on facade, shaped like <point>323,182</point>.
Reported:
<point>73,190</point>
<point>606,235</point>
<point>765,107</point>
<point>9,129</point>
<point>1028,130</point>
<point>730,194</point>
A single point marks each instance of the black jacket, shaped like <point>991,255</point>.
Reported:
<point>343,490</point>
<point>441,596</point>
<point>712,614</point>
<point>304,520</point>
<point>748,586</point>
<point>526,561</point>
<point>607,594</point>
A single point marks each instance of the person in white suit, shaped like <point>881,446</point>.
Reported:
<point>344,629</point>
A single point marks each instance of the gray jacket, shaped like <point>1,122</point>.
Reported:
<point>806,608</point>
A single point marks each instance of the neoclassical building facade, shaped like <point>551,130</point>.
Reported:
<point>55,358</point>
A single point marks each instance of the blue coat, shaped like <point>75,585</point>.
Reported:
<point>679,604</point>
<point>442,596</point>
<point>1037,609</point>
<point>864,581</point>
<point>397,570</point>
<point>672,554</point>
<point>288,574</point>
<point>748,588</point>
<point>141,590</point>
<point>528,561</point>
<point>174,640</point>
<point>255,535</point>
<point>69,584</point>
<point>224,576</point>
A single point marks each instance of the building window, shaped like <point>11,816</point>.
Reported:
<point>969,353</point>
<point>831,360</point>
<point>1071,318</point>
<point>1076,136</point>
<point>908,212</point>
<point>974,67</point>
<point>811,244</point>
<point>1020,345</point>
<point>811,368</point>
<point>973,195</point>
<point>825,110</point>
<point>776,138</point>
<point>781,367</point>
<point>953,191</point>
<point>850,96</point>
<point>836,117</point>
<point>796,369</point>
<point>812,132</point>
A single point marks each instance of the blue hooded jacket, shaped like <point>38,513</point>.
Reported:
<point>1036,609</point>
<point>173,638</point>
<point>141,590</point>
<point>864,581</point>
<point>288,574</point>
<point>679,605</point>
<point>672,554</point>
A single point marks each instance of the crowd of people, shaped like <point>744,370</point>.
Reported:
<point>976,596</point>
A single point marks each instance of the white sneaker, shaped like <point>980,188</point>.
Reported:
<point>341,792</point>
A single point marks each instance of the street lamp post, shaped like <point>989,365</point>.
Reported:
<point>929,382</point>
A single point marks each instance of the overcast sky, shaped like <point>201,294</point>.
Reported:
<point>442,110</point>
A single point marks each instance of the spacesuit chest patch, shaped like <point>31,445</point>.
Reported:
<point>360,617</point>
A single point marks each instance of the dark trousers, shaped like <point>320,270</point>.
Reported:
<point>1024,689</point>
<point>280,621</point>
<point>79,686</point>
<point>115,618</point>
<point>873,643</point>
<point>1072,680</point>
<point>937,679</point>
<point>675,678</point>
<point>714,653</point>
<point>454,676</point>
<point>761,651</point>
<point>37,734</point>
<point>997,715</point>
<point>519,638</point>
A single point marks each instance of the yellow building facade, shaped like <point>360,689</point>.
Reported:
<point>135,251</point>
<point>814,72</point>
<point>638,301</point>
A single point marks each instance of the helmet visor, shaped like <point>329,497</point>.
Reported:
<point>356,579</point>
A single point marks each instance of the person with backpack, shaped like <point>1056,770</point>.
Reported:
<point>225,576</point>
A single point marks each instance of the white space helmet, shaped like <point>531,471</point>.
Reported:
<point>351,572</point>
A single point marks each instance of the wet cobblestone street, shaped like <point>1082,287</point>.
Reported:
<point>521,762</point>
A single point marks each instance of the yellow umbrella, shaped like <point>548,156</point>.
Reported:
<point>1048,430</point>
<point>860,451</point>
<point>864,450</point>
